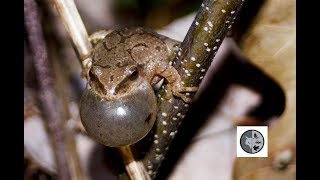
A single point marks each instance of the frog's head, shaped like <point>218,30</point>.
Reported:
<point>118,107</point>
<point>115,81</point>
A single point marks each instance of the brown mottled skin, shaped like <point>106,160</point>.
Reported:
<point>119,106</point>
<point>124,56</point>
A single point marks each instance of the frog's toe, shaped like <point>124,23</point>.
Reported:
<point>182,96</point>
<point>189,89</point>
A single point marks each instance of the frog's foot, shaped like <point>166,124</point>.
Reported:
<point>175,84</point>
<point>188,89</point>
<point>182,96</point>
<point>177,91</point>
<point>98,36</point>
<point>86,65</point>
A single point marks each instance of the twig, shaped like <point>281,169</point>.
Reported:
<point>192,60</point>
<point>46,90</point>
<point>135,169</point>
<point>76,30</point>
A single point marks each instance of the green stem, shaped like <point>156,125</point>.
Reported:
<point>210,26</point>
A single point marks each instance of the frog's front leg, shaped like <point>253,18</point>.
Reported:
<point>170,73</point>
<point>174,81</point>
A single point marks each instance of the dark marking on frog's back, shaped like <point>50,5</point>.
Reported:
<point>107,48</point>
<point>122,64</point>
<point>116,49</point>
<point>127,33</point>
<point>137,45</point>
<point>103,66</point>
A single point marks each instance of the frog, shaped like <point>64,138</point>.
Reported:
<point>119,57</point>
<point>119,106</point>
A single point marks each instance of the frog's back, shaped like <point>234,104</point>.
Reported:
<point>129,45</point>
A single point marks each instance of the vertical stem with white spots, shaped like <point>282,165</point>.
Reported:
<point>210,26</point>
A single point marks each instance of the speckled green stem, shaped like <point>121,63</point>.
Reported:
<point>192,60</point>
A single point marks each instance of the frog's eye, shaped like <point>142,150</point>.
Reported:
<point>95,83</point>
<point>134,73</point>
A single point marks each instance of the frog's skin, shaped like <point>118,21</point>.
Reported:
<point>121,57</point>
<point>119,106</point>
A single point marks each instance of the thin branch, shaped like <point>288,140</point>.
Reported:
<point>76,30</point>
<point>79,36</point>
<point>211,24</point>
<point>74,26</point>
<point>46,90</point>
<point>135,169</point>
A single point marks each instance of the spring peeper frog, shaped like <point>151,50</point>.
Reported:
<point>125,55</point>
<point>119,106</point>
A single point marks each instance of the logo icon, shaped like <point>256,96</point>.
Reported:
<point>252,141</point>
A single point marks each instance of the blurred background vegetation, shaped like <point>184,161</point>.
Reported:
<point>153,14</point>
